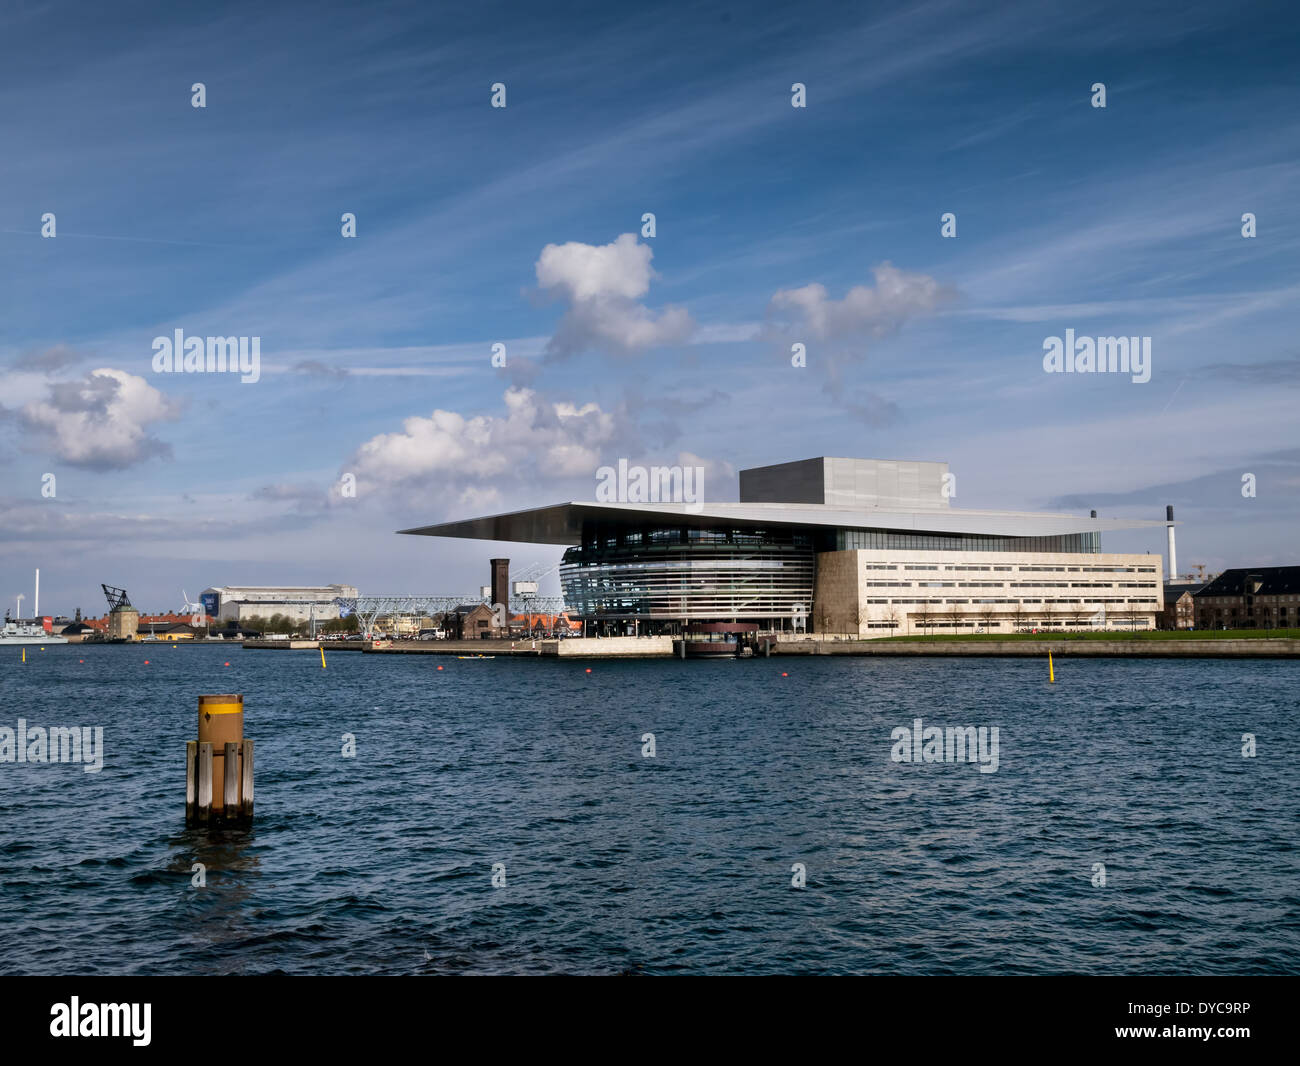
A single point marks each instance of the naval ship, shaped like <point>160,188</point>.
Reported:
<point>36,631</point>
<point>28,633</point>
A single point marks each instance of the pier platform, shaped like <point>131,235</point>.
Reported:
<point>668,647</point>
<point>570,647</point>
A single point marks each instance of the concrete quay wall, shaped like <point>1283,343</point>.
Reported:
<point>1079,649</point>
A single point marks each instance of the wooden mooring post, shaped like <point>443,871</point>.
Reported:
<point>246,786</point>
<point>191,780</point>
<point>205,784</point>
<point>219,765</point>
<point>230,790</point>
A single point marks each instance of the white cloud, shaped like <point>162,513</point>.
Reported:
<point>898,295</point>
<point>602,285</point>
<point>535,440</point>
<point>102,420</point>
<point>589,272</point>
<point>480,499</point>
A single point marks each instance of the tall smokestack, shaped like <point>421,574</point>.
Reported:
<point>501,581</point>
<point>36,606</point>
<point>1173,555</point>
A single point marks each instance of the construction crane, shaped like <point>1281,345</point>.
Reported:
<point>525,583</point>
<point>116,598</point>
<point>535,572</point>
<point>369,609</point>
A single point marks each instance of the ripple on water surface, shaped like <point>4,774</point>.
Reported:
<point>681,863</point>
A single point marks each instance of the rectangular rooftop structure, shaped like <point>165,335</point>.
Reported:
<point>850,484</point>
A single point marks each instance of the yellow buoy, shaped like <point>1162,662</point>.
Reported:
<point>322,656</point>
<point>24,655</point>
<point>1051,670</point>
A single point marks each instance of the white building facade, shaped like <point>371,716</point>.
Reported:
<point>236,603</point>
<point>880,593</point>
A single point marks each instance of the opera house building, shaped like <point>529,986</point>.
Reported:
<point>861,547</point>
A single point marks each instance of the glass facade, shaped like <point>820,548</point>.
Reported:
<point>671,575</point>
<point>853,539</point>
<point>683,574</point>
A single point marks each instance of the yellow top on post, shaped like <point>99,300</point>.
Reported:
<point>221,722</point>
<point>230,703</point>
<point>221,719</point>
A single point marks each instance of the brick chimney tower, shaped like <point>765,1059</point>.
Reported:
<point>501,581</point>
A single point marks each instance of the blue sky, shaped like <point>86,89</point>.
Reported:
<point>225,220</point>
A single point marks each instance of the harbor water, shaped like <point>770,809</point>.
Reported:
<point>771,830</point>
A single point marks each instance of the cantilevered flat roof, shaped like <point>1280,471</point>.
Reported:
<point>561,523</point>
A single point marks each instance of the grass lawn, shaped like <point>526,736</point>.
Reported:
<point>1141,634</point>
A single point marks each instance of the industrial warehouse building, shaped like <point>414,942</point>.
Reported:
<point>861,547</point>
<point>235,603</point>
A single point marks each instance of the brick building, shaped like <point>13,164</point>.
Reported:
<point>1179,611</point>
<point>1260,597</point>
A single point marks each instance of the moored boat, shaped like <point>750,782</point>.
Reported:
<point>29,633</point>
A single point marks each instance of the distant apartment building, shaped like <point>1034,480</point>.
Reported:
<point>1180,606</point>
<point>1262,597</point>
<point>299,603</point>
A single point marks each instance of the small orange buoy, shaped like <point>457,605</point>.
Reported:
<point>785,675</point>
<point>146,662</point>
<point>589,669</point>
<point>227,664</point>
<point>81,660</point>
<point>440,668</point>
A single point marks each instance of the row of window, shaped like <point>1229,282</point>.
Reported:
<point>1022,569</point>
<point>1080,603</point>
<point>1025,623</point>
<point>1250,613</point>
<point>1237,599</point>
<point>609,535</point>
<point>1107,585</point>
<point>876,540</point>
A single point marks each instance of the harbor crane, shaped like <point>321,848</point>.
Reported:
<point>524,583</point>
<point>116,597</point>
